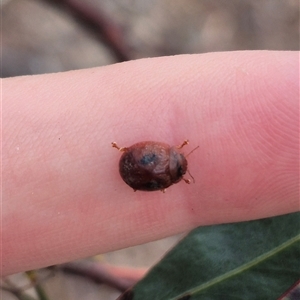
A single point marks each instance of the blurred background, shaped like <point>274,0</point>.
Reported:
<point>45,36</point>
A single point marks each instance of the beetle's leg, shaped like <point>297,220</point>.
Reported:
<point>191,176</point>
<point>114,145</point>
<point>188,181</point>
<point>183,144</point>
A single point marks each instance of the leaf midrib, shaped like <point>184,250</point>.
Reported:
<point>241,268</point>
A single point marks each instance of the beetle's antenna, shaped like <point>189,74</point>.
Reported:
<point>192,152</point>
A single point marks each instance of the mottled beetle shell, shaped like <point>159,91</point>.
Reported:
<point>152,166</point>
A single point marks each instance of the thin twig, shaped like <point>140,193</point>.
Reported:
<point>96,21</point>
<point>104,274</point>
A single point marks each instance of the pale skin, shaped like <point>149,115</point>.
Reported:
<point>62,195</point>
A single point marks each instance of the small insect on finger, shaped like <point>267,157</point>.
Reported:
<point>152,166</point>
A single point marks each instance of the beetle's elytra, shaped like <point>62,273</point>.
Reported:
<point>152,166</point>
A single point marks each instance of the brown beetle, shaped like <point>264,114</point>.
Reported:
<point>152,166</point>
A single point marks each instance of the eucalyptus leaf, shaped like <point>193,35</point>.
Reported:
<point>249,260</point>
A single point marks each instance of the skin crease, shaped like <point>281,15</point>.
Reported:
<point>62,195</point>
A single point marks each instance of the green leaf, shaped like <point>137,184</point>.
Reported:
<point>249,260</point>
